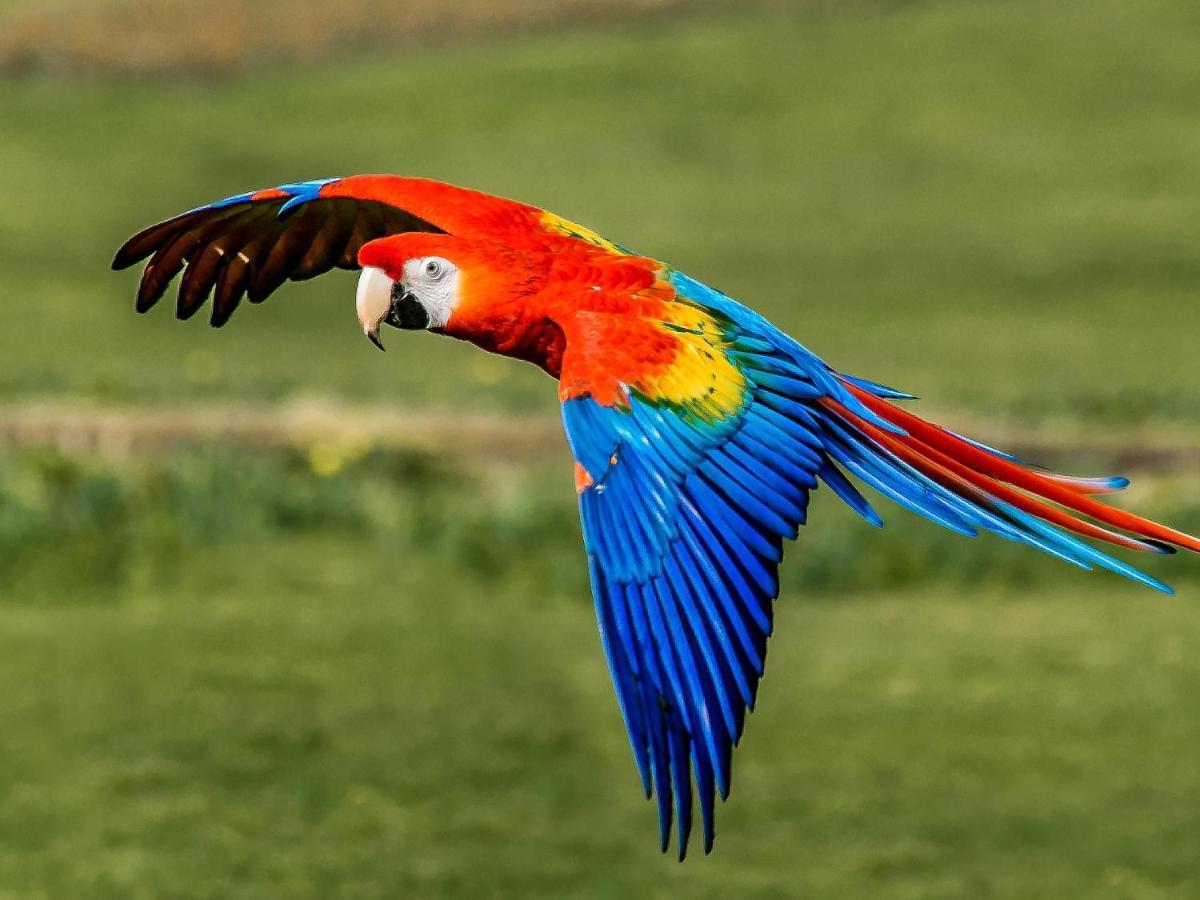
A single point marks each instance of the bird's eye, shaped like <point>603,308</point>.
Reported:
<point>434,268</point>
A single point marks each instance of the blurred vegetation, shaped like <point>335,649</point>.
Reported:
<point>78,531</point>
<point>184,39</point>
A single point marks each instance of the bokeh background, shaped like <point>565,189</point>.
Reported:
<point>282,617</point>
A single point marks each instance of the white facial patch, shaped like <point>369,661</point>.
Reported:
<point>434,282</point>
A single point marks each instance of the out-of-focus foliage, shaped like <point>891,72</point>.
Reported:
<point>76,531</point>
<point>183,38</point>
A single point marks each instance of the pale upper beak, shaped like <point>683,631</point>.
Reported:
<point>373,301</point>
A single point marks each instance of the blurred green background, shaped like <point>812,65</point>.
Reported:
<point>242,656</point>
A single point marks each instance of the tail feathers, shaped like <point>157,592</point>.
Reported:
<point>875,389</point>
<point>967,486</point>
<point>1108,484</point>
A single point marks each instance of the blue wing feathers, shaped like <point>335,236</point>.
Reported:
<point>661,768</point>
<point>698,702</point>
<point>897,480</point>
<point>731,572</point>
<point>785,474</point>
<point>740,672</point>
<point>883,482</point>
<point>650,696</point>
<point>602,534</point>
<point>706,791</point>
<point>756,510</point>
<point>673,591</point>
<point>299,192</point>
<point>874,459</point>
<point>682,788</point>
<point>592,439</point>
<point>622,662</point>
<point>746,344</point>
<point>734,522</point>
<point>685,614</point>
<point>710,589</point>
<point>1081,552</point>
<point>848,493</point>
<point>684,522</point>
<point>791,433</point>
<point>879,390</point>
<point>784,498</point>
<point>776,446</point>
<point>786,386</point>
<point>968,512</point>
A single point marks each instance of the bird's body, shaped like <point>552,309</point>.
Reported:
<point>698,429</point>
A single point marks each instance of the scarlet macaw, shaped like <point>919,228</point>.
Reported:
<point>698,428</point>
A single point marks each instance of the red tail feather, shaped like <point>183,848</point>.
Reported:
<point>1085,485</point>
<point>964,481</point>
<point>965,468</point>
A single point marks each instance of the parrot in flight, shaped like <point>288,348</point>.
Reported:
<point>699,430</point>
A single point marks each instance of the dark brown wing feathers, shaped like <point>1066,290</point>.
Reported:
<point>246,249</point>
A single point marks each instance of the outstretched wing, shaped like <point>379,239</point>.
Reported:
<point>697,460</point>
<point>689,479</point>
<point>250,244</point>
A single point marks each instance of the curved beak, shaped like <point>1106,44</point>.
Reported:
<point>373,301</point>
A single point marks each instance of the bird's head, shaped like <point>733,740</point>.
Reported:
<point>441,283</point>
<point>412,281</point>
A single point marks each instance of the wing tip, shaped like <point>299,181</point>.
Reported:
<point>184,312</point>
<point>129,253</point>
<point>146,298</point>
<point>1163,588</point>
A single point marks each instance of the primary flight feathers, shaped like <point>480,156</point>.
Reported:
<point>699,431</point>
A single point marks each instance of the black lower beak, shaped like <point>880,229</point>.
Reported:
<point>406,311</point>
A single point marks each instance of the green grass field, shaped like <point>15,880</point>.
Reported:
<point>230,673</point>
<point>309,718</point>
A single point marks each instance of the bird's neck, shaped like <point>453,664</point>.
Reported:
<point>517,328</point>
<point>527,309</point>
